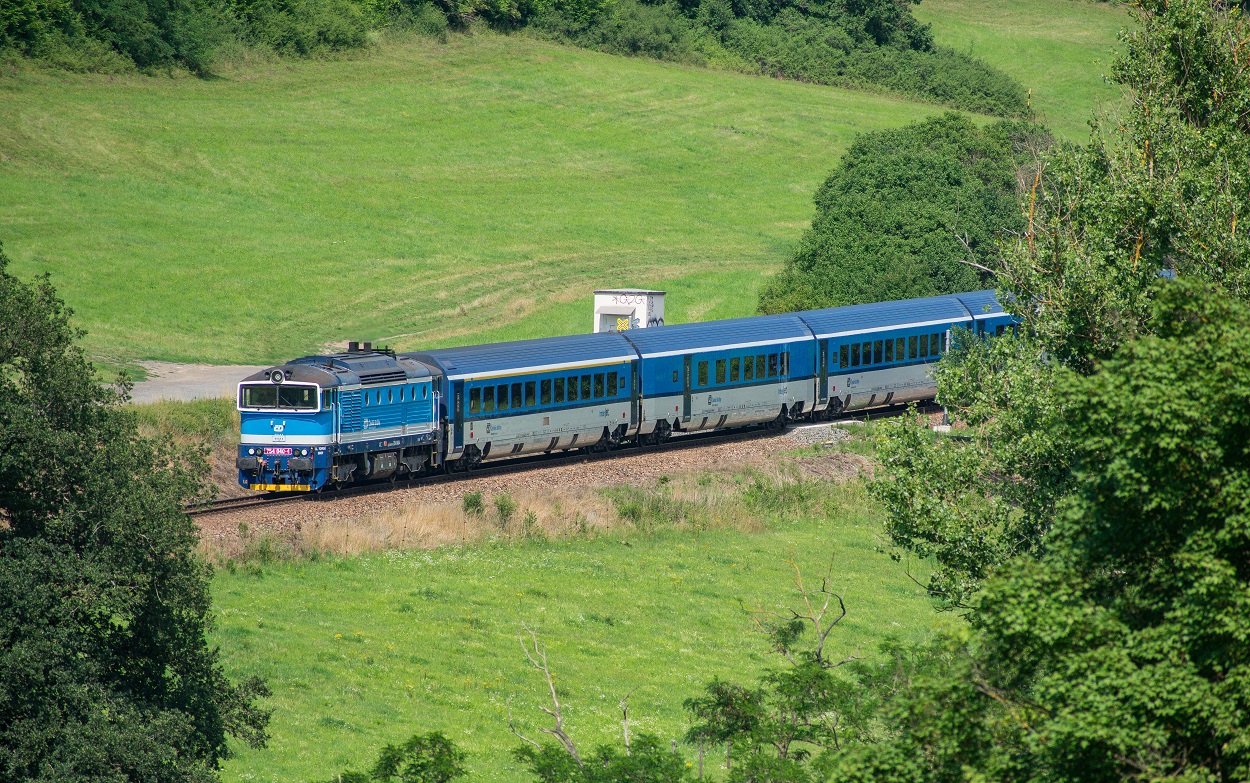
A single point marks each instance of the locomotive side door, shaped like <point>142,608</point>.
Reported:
<point>685,388</point>
<point>457,414</point>
<point>822,387</point>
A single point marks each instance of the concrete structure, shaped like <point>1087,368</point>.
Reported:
<point>622,309</point>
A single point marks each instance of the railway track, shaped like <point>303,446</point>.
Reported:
<point>678,442</point>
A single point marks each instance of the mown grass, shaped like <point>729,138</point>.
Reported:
<point>1059,49</point>
<point>369,649</point>
<point>427,194</point>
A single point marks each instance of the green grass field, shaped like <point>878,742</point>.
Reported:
<point>429,194</point>
<point>369,650</point>
<point>1059,49</point>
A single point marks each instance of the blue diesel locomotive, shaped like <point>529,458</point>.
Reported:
<point>373,414</point>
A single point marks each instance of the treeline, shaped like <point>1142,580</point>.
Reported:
<point>875,44</point>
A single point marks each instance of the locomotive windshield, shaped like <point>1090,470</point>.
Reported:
<point>287,397</point>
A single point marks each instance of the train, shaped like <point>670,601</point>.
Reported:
<point>371,414</point>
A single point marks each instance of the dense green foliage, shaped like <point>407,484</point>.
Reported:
<point>1157,191</point>
<point>1122,651</point>
<point>646,760</point>
<point>877,44</point>
<point>916,211</point>
<point>422,758</point>
<point>105,672</point>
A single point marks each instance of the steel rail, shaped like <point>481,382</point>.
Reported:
<point>678,442</point>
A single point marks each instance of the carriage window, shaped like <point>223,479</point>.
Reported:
<point>935,344</point>
<point>911,347</point>
<point>735,369</point>
<point>785,363</point>
<point>998,330</point>
<point>877,355</point>
<point>475,400</point>
<point>772,365</point>
<point>703,373</point>
<point>748,369</point>
<point>544,392</point>
<point>488,399</point>
<point>924,346</point>
<point>598,386</point>
<point>585,387</point>
<point>559,390</point>
<point>867,352</point>
<point>516,395</point>
<point>501,398</point>
<point>845,355</point>
<point>572,388</point>
<point>855,355</point>
<point>720,370</point>
<point>613,385</point>
<point>900,348</point>
<point>889,350</point>
<point>759,366</point>
<point>529,393</point>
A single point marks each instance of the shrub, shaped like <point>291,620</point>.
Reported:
<point>904,211</point>
<point>505,507</point>
<point>472,504</point>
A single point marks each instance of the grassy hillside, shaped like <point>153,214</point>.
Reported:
<point>1060,49</point>
<point>424,194</point>
<point>428,194</point>
<point>368,650</point>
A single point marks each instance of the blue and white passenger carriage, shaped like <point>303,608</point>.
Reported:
<point>368,414</point>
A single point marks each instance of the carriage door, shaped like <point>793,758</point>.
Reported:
<point>822,388</point>
<point>685,389</point>
<point>457,414</point>
<point>635,398</point>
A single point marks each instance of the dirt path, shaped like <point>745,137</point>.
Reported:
<point>185,382</point>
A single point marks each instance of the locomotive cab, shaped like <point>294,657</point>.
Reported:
<point>286,429</point>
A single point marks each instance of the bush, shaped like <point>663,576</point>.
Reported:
<point>472,504</point>
<point>505,507</point>
<point>904,211</point>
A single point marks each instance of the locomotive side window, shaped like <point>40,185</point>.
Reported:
<point>402,389</point>
<point>613,385</point>
<point>735,369</point>
<point>772,365</point>
<point>720,370</point>
<point>877,355</point>
<point>911,347</point>
<point>598,386</point>
<point>855,355</point>
<point>703,373</point>
<point>559,390</point>
<point>759,366</point>
<point>845,355</point>
<point>390,396</point>
<point>585,387</point>
<point>501,397</point>
<point>889,350</point>
<point>516,395</point>
<point>748,369</point>
<point>544,392</point>
<point>475,401</point>
<point>529,393</point>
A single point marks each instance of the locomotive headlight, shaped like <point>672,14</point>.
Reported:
<point>250,452</point>
<point>303,452</point>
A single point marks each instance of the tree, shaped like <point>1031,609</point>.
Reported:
<point>1157,192</point>
<point>911,212</point>
<point>105,671</point>
<point>1122,651</point>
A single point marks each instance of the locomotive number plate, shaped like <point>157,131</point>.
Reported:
<point>278,451</point>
